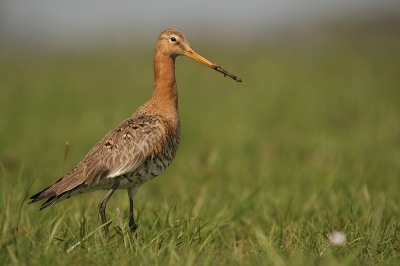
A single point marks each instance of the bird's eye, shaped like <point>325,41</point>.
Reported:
<point>173,39</point>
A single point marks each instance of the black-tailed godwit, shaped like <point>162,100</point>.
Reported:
<point>142,146</point>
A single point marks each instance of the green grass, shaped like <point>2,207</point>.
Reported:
<point>308,144</point>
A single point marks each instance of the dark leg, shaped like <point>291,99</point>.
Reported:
<point>131,193</point>
<point>102,206</point>
<point>132,224</point>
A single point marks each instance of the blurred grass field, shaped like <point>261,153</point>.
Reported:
<point>267,169</point>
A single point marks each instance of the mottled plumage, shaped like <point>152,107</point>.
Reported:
<point>142,146</point>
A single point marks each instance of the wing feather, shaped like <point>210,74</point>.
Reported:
<point>119,152</point>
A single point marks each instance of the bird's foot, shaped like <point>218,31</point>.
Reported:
<point>133,228</point>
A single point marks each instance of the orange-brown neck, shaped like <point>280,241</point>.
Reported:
<point>165,93</point>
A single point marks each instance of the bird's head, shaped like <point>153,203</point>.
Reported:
<point>173,43</point>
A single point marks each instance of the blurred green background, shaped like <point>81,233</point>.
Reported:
<point>307,144</point>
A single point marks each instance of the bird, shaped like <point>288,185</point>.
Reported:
<point>142,146</point>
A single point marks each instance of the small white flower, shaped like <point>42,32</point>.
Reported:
<point>337,238</point>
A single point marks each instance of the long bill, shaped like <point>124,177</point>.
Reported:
<point>192,54</point>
